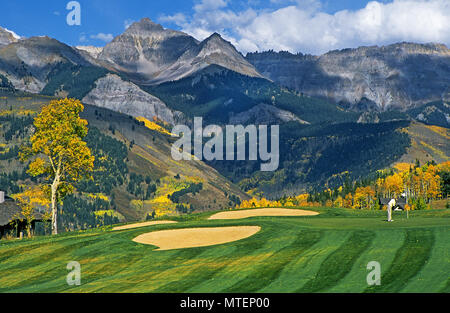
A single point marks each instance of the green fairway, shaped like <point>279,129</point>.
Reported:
<point>324,253</point>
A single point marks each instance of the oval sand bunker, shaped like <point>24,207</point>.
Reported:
<point>136,225</point>
<point>195,237</point>
<point>228,215</point>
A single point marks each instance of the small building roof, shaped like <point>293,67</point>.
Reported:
<point>7,211</point>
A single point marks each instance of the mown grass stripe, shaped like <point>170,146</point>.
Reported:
<point>14,249</point>
<point>300,270</point>
<point>340,262</point>
<point>382,250</point>
<point>177,259</point>
<point>34,258</point>
<point>42,268</point>
<point>266,273</point>
<point>94,265</point>
<point>115,264</point>
<point>92,272</point>
<point>435,273</point>
<point>408,261</point>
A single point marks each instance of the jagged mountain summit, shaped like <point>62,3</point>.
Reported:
<point>150,54</point>
<point>145,48</point>
<point>403,76</point>
<point>145,53</point>
<point>7,37</point>
<point>397,76</point>
<point>29,63</point>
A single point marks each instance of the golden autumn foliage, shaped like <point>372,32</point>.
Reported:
<point>403,166</point>
<point>364,198</point>
<point>297,201</point>
<point>262,203</point>
<point>444,132</point>
<point>302,199</point>
<point>391,186</point>
<point>348,201</point>
<point>153,125</point>
<point>423,182</point>
<point>339,202</point>
<point>418,184</point>
<point>58,150</point>
<point>28,201</point>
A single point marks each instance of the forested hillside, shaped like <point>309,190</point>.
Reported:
<point>217,94</point>
<point>318,155</point>
<point>134,176</point>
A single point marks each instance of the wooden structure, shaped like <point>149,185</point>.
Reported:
<point>10,217</point>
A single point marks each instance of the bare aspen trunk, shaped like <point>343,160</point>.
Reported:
<point>54,211</point>
<point>55,206</point>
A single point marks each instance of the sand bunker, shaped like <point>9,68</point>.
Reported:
<point>129,226</point>
<point>195,237</point>
<point>228,215</point>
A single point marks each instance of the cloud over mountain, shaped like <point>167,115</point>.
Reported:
<point>102,37</point>
<point>304,26</point>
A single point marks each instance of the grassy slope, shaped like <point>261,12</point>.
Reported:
<point>427,143</point>
<point>325,253</point>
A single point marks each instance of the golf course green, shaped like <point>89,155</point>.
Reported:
<point>328,252</point>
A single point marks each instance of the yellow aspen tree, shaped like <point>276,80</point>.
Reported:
<point>60,154</point>
<point>339,202</point>
<point>394,185</point>
<point>348,201</point>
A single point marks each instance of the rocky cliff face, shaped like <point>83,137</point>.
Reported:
<point>29,62</point>
<point>113,93</point>
<point>150,54</point>
<point>91,51</point>
<point>398,76</point>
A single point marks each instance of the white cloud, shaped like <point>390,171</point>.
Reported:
<point>209,5</point>
<point>302,25</point>
<point>103,37</point>
<point>178,18</point>
<point>83,38</point>
<point>127,23</point>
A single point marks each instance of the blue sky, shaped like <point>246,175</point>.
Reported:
<point>310,26</point>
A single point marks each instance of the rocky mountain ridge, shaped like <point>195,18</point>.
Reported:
<point>150,54</point>
<point>398,76</point>
<point>29,63</point>
<point>401,76</point>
